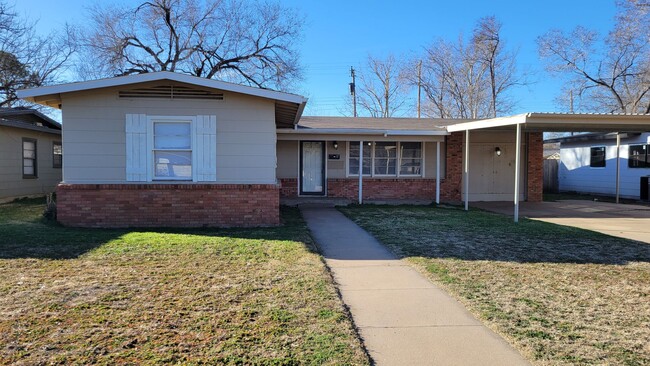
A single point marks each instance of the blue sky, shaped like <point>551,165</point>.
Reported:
<point>339,34</point>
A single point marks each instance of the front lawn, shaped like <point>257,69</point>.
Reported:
<point>238,296</point>
<point>561,295</point>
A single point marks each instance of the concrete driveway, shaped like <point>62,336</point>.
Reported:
<point>622,220</point>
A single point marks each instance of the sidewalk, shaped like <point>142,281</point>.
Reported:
<point>403,318</point>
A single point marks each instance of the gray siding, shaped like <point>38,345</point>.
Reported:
<point>95,140</point>
<point>492,177</point>
<point>12,184</point>
<point>576,174</point>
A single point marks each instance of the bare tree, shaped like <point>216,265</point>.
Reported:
<point>27,59</point>
<point>383,89</point>
<point>608,73</point>
<point>235,40</point>
<point>470,79</point>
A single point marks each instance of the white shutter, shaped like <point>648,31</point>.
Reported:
<point>205,149</point>
<point>136,147</point>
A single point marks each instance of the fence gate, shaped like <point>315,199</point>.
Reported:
<point>551,184</point>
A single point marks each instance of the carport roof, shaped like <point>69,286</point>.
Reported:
<point>562,122</point>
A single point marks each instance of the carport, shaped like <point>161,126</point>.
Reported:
<point>547,122</point>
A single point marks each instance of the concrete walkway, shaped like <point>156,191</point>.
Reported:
<point>403,318</point>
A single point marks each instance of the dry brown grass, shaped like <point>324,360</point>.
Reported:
<point>257,296</point>
<point>561,295</point>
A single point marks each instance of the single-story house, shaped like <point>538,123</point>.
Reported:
<point>588,164</point>
<point>31,153</point>
<point>168,149</point>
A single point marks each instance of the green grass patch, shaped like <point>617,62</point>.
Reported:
<point>561,295</point>
<point>207,296</point>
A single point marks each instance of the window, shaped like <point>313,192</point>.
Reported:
<point>410,158</point>
<point>29,158</point>
<point>57,154</point>
<point>172,150</point>
<point>387,158</point>
<point>353,158</point>
<point>598,158</point>
<point>639,156</point>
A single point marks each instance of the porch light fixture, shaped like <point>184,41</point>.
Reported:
<point>497,151</point>
<point>336,145</point>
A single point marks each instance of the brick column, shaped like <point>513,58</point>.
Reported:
<point>450,187</point>
<point>535,162</point>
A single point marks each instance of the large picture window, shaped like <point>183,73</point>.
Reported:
<point>172,150</point>
<point>410,158</point>
<point>598,158</point>
<point>386,158</point>
<point>353,161</point>
<point>639,156</point>
<point>29,159</point>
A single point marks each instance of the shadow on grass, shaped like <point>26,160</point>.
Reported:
<point>431,232</point>
<point>24,233</point>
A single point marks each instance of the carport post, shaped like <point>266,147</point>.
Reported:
<point>618,164</point>
<point>360,172</point>
<point>466,172</point>
<point>438,172</point>
<point>517,169</point>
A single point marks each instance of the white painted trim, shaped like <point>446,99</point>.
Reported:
<point>517,171</point>
<point>466,170</point>
<point>156,76</point>
<point>151,119</point>
<point>438,172</point>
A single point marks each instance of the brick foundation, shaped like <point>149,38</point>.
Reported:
<point>289,187</point>
<point>168,205</point>
<point>383,188</point>
<point>535,167</point>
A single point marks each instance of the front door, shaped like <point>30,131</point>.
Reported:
<point>312,167</point>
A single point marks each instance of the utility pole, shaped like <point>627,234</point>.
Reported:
<point>353,91</point>
<point>419,85</point>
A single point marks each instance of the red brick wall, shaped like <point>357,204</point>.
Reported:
<point>168,205</point>
<point>451,186</point>
<point>289,187</point>
<point>535,167</point>
<point>383,188</point>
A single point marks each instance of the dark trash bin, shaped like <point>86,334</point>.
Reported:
<point>645,188</point>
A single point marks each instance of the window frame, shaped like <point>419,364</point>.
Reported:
<point>151,171</point>
<point>591,156</point>
<point>646,163</point>
<point>55,164</point>
<point>421,158</point>
<point>398,159</point>
<point>35,158</point>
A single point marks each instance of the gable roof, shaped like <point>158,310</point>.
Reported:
<point>288,107</point>
<point>29,119</point>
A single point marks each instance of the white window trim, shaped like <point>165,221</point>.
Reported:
<point>150,146</point>
<point>372,159</point>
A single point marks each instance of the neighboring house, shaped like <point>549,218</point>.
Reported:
<point>588,163</point>
<point>168,149</point>
<point>30,153</point>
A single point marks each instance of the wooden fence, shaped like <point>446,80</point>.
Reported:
<point>551,184</point>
